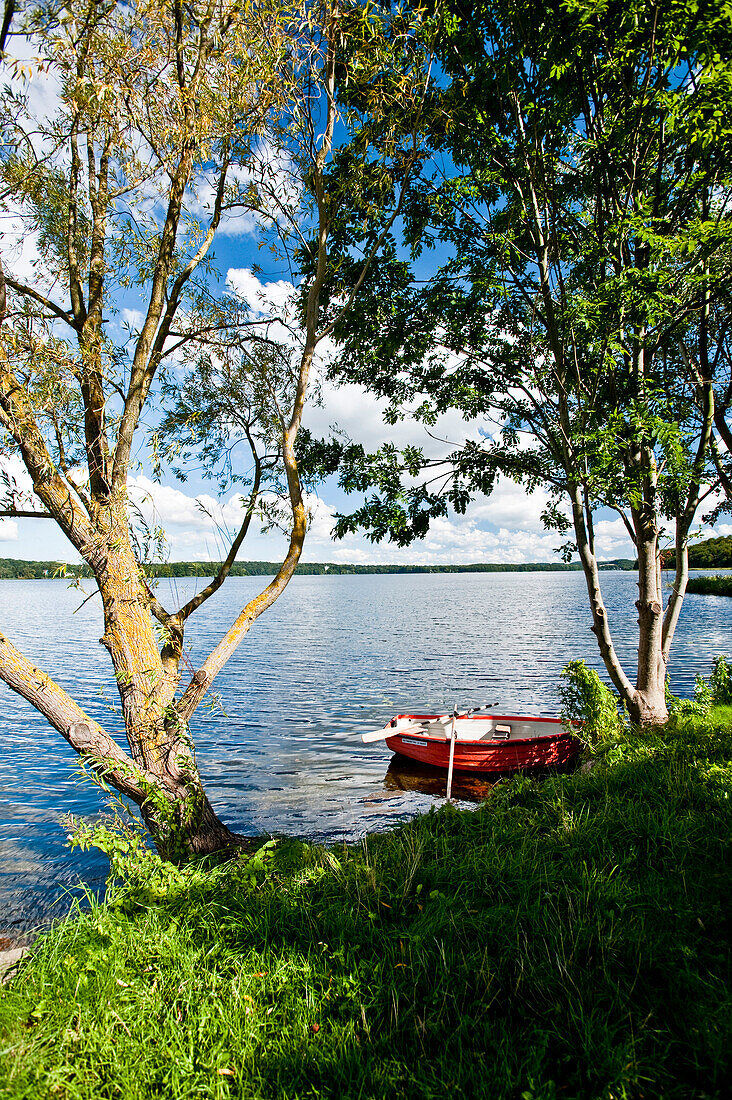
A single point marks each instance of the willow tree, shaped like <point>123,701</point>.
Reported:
<point>584,205</point>
<point>167,120</point>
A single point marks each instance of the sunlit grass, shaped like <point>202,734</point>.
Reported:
<point>568,939</point>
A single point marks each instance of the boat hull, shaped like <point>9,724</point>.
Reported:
<point>552,746</point>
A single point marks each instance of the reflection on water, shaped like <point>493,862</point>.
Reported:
<point>404,774</point>
<point>409,775</point>
<point>335,656</point>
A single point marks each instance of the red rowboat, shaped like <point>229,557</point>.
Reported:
<point>482,743</point>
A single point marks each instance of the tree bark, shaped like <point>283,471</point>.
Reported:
<point>169,793</point>
<point>646,701</point>
<point>648,704</point>
<point>197,831</point>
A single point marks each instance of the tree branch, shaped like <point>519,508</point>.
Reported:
<point>195,602</point>
<point>29,292</point>
<point>85,736</point>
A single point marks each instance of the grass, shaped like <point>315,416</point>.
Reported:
<point>711,586</point>
<point>568,939</point>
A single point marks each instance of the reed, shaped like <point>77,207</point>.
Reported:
<point>570,938</point>
<point>711,586</point>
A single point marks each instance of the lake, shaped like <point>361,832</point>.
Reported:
<point>335,656</point>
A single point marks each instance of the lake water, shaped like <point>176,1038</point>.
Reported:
<point>335,656</point>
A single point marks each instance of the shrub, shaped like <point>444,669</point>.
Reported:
<point>588,703</point>
<point>720,682</point>
<point>714,692</point>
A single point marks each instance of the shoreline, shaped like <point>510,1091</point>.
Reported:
<point>48,571</point>
<point>19,569</point>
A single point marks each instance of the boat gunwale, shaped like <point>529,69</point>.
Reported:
<point>483,717</point>
<point>495,741</point>
<point>439,738</point>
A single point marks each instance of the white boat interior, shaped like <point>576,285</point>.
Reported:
<point>478,728</point>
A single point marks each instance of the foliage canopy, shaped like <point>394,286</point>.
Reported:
<point>582,186</point>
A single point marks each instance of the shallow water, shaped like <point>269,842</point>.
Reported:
<point>335,656</point>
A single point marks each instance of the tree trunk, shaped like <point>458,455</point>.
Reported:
<point>648,703</point>
<point>174,805</point>
<point>145,688</point>
<point>189,826</point>
<point>600,626</point>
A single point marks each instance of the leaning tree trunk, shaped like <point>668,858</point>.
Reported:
<point>174,807</point>
<point>171,797</point>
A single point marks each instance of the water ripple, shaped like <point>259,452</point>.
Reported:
<point>336,655</point>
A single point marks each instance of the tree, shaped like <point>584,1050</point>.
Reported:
<point>584,197</point>
<point>158,102</point>
<point>707,356</point>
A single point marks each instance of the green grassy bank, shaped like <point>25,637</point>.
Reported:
<point>711,586</point>
<point>568,939</point>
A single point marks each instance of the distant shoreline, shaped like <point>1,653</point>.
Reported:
<point>713,553</point>
<point>14,569</point>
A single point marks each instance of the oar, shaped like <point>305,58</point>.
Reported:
<point>377,735</point>
<point>453,738</point>
<point>390,731</point>
<point>452,753</point>
<point>474,710</point>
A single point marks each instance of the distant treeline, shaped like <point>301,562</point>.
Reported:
<point>713,553</point>
<point>32,570</point>
<point>12,569</point>
<point>318,569</point>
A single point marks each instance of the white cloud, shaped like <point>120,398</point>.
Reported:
<point>21,256</point>
<point>41,91</point>
<point>361,416</point>
<point>612,539</point>
<point>132,319</point>
<point>321,519</point>
<point>17,475</point>
<point>510,506</point>
<point>271,300</point>
<point>450,540</point>
<point>15,469</point>
<point>166,505</point>
<point>201,198</point>
<point>9,530</point>
<point>273,175</point>
<point>40,86</point>
<point>17,480</point>
<point>350,408</point>
<point>272,304</point>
